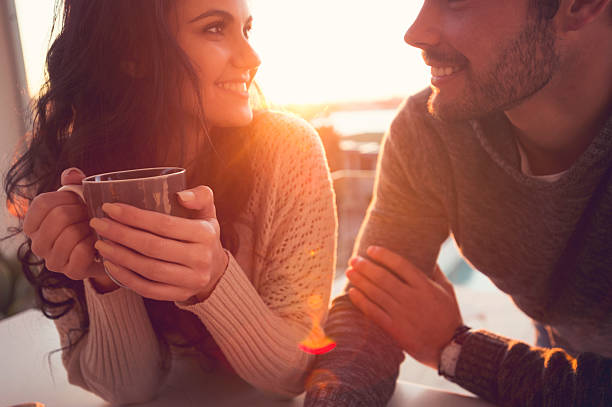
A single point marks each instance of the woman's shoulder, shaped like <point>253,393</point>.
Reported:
<point>284,130</point>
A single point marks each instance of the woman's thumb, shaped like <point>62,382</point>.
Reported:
<point>72,176</point>
<point>199,199</point>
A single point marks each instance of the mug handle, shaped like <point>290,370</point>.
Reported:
<point>78,190</point>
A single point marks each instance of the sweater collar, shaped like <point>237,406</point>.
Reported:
<point>495,136</point>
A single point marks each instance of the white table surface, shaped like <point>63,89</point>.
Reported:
<point>28,373</point>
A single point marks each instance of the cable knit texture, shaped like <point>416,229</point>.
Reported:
<point>262,307</point>
<point>465,179</point>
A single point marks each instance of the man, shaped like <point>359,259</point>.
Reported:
<point>511,152</point>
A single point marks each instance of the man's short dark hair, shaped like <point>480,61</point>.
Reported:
<point>545,9</point>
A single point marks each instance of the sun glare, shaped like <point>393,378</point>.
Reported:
<point>321,51</point>
<point>315,51</point>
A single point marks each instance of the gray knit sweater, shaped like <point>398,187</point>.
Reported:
<point>436,179</point>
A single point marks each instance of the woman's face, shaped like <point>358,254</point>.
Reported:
<point>215,36</point>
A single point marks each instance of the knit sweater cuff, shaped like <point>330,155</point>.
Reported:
<point>122,310</point>
<point>119,324</point>
<point>477,368</point>
<point>329,396</point>
<point>257,342</point>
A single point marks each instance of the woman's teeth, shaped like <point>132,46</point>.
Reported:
<point>443,71</point>
<point>240,87</point>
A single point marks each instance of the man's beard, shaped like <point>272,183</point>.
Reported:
<point>525,65</point>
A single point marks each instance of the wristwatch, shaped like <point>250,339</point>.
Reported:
<point>450,353</point>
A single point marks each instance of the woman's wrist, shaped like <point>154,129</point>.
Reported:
<point>202,296</point>
<point>103,284</point>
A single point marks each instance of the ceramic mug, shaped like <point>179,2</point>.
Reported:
<point>152,189</point>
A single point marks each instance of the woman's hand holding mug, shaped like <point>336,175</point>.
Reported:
<point>57,224</point>
<point>162,241</point>
<point>160,256</point>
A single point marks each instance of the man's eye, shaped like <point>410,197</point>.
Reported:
<point>247,30</point>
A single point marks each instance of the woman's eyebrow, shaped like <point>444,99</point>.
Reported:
<point>209,13</point>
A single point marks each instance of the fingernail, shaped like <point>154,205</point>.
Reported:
<point>109,266</point>
<point>99,224</point>
<point>372,250</point>
<point>111,209</point>
<point>71,171</point>
<point>101,246</point>
<point>355,261</point>
<point>186,196</point>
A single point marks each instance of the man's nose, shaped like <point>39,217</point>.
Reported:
<point>424,32</point>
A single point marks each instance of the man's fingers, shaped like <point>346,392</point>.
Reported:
<point>396,263</point>
<point>373,291</point>
<point>72,176</point>
<point>385,279</point>
<point>440,278</point>
<point>199,199</point>
<point>370,309</point>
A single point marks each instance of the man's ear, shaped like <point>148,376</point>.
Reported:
<point>575,14</point>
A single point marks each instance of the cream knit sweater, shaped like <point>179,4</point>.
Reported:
<point>262,307</point>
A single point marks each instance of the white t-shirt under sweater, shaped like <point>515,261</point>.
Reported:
<point>259,311</point>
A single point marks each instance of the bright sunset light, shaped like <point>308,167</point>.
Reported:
<point>314,51</point>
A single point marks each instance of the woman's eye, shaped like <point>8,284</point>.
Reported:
<point>215,28</point>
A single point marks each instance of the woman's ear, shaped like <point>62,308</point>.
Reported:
<point>576,14</point>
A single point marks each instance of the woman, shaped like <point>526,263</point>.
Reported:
<point>146,83</point>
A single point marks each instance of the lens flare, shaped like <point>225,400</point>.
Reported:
<point>317,342</point>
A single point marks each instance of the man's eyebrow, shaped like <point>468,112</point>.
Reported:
<point>209,13</point>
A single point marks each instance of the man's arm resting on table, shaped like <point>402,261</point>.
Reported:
<point>361,370</point>
<point>511,373</point>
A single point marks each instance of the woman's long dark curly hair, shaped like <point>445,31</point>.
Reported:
<point>110,103</point>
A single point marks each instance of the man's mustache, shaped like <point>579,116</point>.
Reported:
<point>435,57</point>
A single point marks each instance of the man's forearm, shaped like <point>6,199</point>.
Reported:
<point>512,373</point>
<point>361,370</point>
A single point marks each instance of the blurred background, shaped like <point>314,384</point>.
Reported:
<point>340,64</point>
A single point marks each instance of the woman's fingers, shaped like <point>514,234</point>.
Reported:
<point>144,287</point>
<point>43,204</point>
<point>201,200</point>
<point>56,221</point>
<point>155,270</point>
<point>172,227</point>
<point>59,255</point>
<point>147,243</point>
<point>80,264</point>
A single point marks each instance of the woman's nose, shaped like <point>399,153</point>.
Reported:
<point>247,57</point>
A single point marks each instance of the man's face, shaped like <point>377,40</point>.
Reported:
<point>486,55</point>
